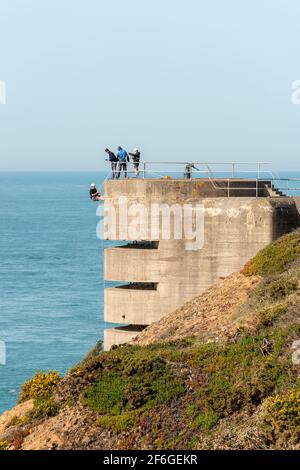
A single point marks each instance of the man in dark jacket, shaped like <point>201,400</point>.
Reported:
<point>113,161</point>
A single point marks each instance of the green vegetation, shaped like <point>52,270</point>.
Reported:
<point>271,313</point>
<point>205,421</point>
<point>3,445</point>
<point>117,424</point>
<point>276,257</point>
<point>44,406</point>
<point>242,374</point>
<point>133,384</point>
<point>146,388</point>
<point>40,385</point>
<point>40,388</point>
<point>282,287</point>
<point>173,395</point>
<point>283,417</point>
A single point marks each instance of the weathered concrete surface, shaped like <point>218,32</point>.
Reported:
<point>120,335</point>
<point>235,229</point>
<point>297,202</point>
<point>182,189</point>
<point>150,198</point>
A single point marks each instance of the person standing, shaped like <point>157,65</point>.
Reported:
<point>113,161</point>
<point>123,158</point>
<point>136,156</point>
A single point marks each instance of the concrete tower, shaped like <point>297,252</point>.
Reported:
<point>160,273</point>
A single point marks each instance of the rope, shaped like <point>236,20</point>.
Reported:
<point>106,177</point>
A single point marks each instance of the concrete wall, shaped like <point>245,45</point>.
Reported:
<point>234,230</point>
<point>297,202</point>
<point>119,335</point>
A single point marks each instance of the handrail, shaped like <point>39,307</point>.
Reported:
<point>237,171</point>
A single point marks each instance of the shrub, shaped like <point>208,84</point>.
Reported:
<point>138,382</point>
<point>106,396</point>
<point>283,417</point>
<point>238,375</point>
<point>207,420</point>
<point>44,406</point>
<point>90,356</point>
<point>275,257</point>
<point>3,445</point>
<point>282,287</point>
<point>117,424</point>
<point>40,385</point>
<point>269,314</point>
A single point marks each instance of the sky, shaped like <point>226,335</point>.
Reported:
<point>193,80</point>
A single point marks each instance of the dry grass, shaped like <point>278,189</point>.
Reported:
<point>211,316</point>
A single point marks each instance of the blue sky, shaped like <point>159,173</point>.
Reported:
<point>182,80</point>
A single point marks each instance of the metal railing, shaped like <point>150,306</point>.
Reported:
<point>207,167</point>
<point>230,172</point>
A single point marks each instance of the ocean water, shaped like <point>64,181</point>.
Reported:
<point>51,274</point>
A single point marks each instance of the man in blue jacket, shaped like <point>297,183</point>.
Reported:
<point>123,158</point>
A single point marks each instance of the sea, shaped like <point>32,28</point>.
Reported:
<point>51,274</point>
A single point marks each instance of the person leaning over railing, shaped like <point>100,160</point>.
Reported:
<point>136,156</point>
<point>188,170</point>
<point>113,161</point>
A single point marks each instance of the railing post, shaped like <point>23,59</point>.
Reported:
<point>144,170</point>
<point>233,170</point>
<point>228,188</point>
<point>256,187</point>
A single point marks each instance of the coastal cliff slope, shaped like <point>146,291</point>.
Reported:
<point>221,372</point>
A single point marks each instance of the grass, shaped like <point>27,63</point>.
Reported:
<point>132,381</point>
<point>136,383</point>
<point>271,313</point>
<point>44,406</point>
<point>276,257</point>
<point>117,424</point>
<point>136,388</point>
<point>242,374</point>
<point>206,421</point>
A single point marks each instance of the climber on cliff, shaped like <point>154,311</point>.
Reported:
<point>94,193</point>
